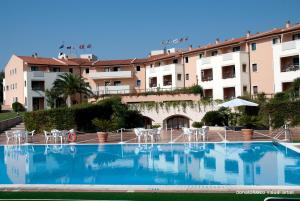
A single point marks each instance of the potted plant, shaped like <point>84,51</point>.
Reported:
<point>103,127</point>
<point>248,122</point>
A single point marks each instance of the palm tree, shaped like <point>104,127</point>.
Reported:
<point>68,85</point>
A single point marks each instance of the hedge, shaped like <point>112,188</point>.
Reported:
<point>80,116</point>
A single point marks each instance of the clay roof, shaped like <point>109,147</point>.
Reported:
<point>47,61</point>
<point>237,41</point>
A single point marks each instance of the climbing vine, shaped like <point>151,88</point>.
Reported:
<point>175,105</point>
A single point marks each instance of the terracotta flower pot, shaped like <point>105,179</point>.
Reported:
<point>102,137</point>
<point>247,133</point>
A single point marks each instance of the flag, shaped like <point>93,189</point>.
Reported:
<point>61,47</point>
<point>89,46</point>
<point>69,47</point>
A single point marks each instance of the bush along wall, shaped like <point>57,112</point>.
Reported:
<point>80,116</point>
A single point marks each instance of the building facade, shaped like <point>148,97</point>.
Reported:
<point>263,62</point>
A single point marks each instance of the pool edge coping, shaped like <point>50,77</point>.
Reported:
<point>149,188</point>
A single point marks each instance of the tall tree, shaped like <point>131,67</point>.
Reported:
<point>69,85</point>
<point>1,86</point>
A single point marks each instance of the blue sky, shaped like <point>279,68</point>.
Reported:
<point>131,28</point>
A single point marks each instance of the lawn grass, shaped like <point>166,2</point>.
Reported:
<point>138,196</point>
<point>9,115</point>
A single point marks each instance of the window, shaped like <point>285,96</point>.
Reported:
<point>179,77</point>
<point>107,83</point>
<point>151,65</point>
<point>255,89</point>
<point>254,67</point>
<point>7,88</point>
<point>296,36</point>
<point>244,89</point>
<point>186,59</point>
<point>244,68</point>
<point>87,70</point>
<point>71,70</point>
<point>25,100</point>
<point>175,61</point>
<point>158,64</point>
<point>117,83</point>
<point>117,68</point>
<point>214,53</point>
<point>34,68</point>
<point>138,83</point>
<point>55,69</point>
<point>187,76</point>
<point>25,83</point>
<point>138,68</point>
<point>236,49</point>
<point>200,56</point>
<point>275,40</point>
<point>253,46</point>
<point>106,69</point>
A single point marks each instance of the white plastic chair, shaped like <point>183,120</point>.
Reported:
<point>29,134</point>
<point>57,134</point>
<point>47,136</point>
<point>138,133</point>
<point>187,133</point>
<point>9,135</point>
<point>204,133</point>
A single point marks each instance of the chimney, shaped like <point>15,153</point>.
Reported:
<point>217,40</point>
<point>190,47</point>
<point>287,24</point>
<point>248,34</point>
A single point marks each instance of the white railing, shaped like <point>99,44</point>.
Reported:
<point>228,56</point>
<point>205,61</point>
<point>121,89</point>
<point>111,75</point>
<point>288,45</point>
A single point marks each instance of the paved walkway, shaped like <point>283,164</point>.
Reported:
<point>177,136</point>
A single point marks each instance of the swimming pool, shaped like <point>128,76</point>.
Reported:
<point>159,164</point>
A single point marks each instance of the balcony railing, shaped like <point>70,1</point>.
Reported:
<point>228,75</point>
<point>37,88</point>
<point>289,68</point>
<point>167,83</point>
<point>206,78</point>
<point>153,85</point>
<point>120,89</point>
<point>288,45</point>
<point>111,75</point>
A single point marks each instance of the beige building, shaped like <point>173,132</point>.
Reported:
<point>263,62</point>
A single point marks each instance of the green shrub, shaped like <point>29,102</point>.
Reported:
<point>213,118</point>
<point>18,107</point>
<point>80,116</point>
<point>197,124</point>
<point>155,126</point>
<point>104,125</point>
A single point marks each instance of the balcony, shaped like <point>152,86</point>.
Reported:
<point>290,45</point>
<point>290,63</point>
<point>206,75</point>
<point>152,82</point>
<point>120,89</point>
<point>167,80</point>
<point>229,92</point>
<point>38,85</point>
<point>228,72</point>
<point>110,75</point>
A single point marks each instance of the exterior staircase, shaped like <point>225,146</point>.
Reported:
<point>20,126</point>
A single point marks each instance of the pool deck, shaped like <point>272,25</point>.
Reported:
<point>166,137</point>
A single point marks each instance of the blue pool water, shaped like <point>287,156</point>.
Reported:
<point>161,164</point>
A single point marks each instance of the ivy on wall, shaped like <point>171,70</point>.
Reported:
<point>175,105</point>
